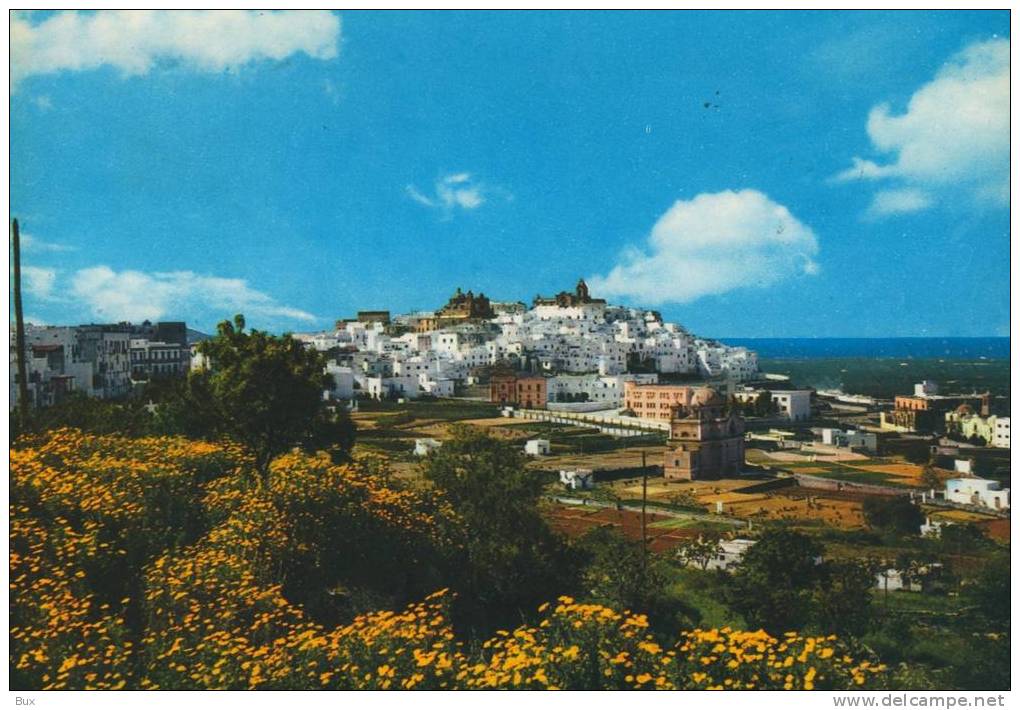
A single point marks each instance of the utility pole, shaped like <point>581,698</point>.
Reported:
<point>644,507</point>
<point>19,325</point>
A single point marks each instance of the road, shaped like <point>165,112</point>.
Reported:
<point>652,508</point>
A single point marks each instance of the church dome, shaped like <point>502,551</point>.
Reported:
<point>707,397</point>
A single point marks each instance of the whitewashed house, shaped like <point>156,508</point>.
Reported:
<point>537,447</point>
<point>893,581</point>
<point>438,387</point>
<point>977,491</point>
<point>343,382</point>
<point>730,553</point>
<point>404,387</point>
<point>1000,436</point>
<point>424,447</point>
<point>578,479</point>
<point>933,528</point>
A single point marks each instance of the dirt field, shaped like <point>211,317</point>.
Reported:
<point>491,422</point>
<point>796,505</point>
<point>811,456</point>
<point>997,529</point>
<point>575,521</point>
<point>906,473</point>
<point>619,458</point>
<point>839,509</point>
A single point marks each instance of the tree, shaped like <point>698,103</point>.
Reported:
<point>772,586</point>
<point>698,551</point>
<point>842,597</point>
<point>930,479</point>
<point>989,592</point>
<point>895,514</point>
<point>77,410</point>
<point>264,392</point>
<point>506,558</point>
<point>615,573</point>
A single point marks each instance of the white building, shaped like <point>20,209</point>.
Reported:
<point>343,381</point>
<point>405,387</point>
<point>963,466</point>
<point>602,389</point>
<point>578,479</point>
<point>1000,437</point>
<point>439,387</point>
<point>933,528</point>
<point>849,439</point>
<point>92,359</point>
<point>537,447</point>
<point>424,447</point>
<point>730,553</point>
<point>794,405</point>
<point>977,491</point>
<point>893,580</point>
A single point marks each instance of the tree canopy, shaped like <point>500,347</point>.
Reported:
<point>895,514</point>
<point>264,392</point>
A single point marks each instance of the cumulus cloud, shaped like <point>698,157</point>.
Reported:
<point>38,282</point>
<point>953,137</point>
<point>711,244</point>
<point>31,243</point>
<point>906,200</point>
<point>137,296</point>
<point>136,41</point>
<point>455,191</point>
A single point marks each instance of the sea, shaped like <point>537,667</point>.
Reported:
<point>906,348</point>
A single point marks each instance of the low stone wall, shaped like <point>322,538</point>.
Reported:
<point>614,425</point>
<point>832,484</point>
<point>577,407</point>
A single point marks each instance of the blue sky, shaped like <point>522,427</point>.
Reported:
<point>748,174</point>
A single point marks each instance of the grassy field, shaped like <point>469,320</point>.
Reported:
<point>444,409</point>
<point>697,589</point>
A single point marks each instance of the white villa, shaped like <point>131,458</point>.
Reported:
<point>977,491</point>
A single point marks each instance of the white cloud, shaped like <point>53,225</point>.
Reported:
<point>38,281</point>
<point>455,191</point>
<point>953,137</point>
<point>712,244</point>
<point>137,296</point>
<point>902,201</point>
<point>30,243</point>
<point>135,41</point>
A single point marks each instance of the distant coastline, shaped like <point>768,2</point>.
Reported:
<point>991,348</point>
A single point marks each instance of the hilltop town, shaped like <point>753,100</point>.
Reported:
<point>621,376</point>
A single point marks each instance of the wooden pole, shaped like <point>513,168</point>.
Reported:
<point>644,507</point>
<point>19,321</point>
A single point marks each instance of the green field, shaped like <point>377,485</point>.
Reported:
<point>444,409</point>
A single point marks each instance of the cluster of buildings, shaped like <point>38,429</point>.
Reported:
<point>649,400</point>
<point>103,361</point>
<point>964,422</point>
<point>961,416</point>
<point>584,350</point>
